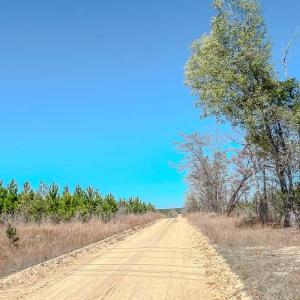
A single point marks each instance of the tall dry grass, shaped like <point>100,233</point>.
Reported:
<point>267,259</point>
<point>39,242</point>
<point>233,232</point>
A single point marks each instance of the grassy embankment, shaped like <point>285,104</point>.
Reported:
<point>267,259</point>
<point>39,242</point>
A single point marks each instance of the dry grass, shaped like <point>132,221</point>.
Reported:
<point>266,259</point>
<point>225,231</point>
<point>41,242</point>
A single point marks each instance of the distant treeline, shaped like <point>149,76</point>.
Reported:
<point>168,211</point>
<point>47,203</point>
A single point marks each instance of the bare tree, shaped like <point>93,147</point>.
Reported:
<point>207,174</point>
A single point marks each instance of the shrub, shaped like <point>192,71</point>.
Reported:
<point>12,235</point>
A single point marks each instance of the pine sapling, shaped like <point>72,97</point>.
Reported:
<point>12,235</point>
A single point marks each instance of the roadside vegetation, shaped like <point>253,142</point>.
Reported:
<point>244,189</point>
<point>266,259</point>
<point>36,225</point>
<point>40,242</point>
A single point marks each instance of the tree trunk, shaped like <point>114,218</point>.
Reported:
<point>234,198</point>
<point>281,171</point>
<point>263,200</point>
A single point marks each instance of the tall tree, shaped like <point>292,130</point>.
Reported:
<point>231,72</point>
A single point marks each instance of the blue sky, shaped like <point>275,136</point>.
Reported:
<point>92,92</point>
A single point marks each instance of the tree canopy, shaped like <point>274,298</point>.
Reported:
<point>230,71</point>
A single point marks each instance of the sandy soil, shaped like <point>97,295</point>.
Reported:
<point>167,260</point>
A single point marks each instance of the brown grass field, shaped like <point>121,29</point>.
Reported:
<point>267,259</point>
<point>44,241</point>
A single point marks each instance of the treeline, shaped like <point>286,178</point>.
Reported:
<point>230,181</point>
<point>231,72</point>
<point>47,203</point>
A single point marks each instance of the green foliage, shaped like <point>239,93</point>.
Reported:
<point>135,206</point>
<point>230,70</point>
<point>9,197</point>
<point>12,235</point>
<point>109,207</point>
<point>48,203</point>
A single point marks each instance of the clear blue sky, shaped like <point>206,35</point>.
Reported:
<point>92,92</point>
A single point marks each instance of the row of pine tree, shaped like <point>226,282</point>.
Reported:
<point>48,203</point>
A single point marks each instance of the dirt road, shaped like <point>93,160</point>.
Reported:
<point>167,260</point>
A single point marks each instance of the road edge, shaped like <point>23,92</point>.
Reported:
<point>31,275</point>
<point>225,283</point>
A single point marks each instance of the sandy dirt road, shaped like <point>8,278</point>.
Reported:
<point>162,261</point>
